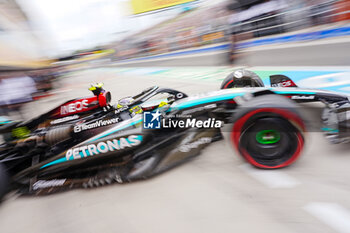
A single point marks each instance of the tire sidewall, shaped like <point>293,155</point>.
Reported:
<point>280,106</point>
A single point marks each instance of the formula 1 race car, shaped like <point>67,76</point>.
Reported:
<point>88,142</point>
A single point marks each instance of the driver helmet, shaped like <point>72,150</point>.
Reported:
<point>96,88</point>
<point>246,78</point>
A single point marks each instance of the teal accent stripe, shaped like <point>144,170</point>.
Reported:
<point>5,122</point>
<point>330,130</point>
<point>180,106</point>
<point>205,100</point>
<point>57,161</point>
<point>64,159</point>
<point>295,92</point>
<point>61,160</point>
<point>116,130</point>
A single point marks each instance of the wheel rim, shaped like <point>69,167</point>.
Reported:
<point>294,129</point>
<point>269,140</point>
<point>268,136</point>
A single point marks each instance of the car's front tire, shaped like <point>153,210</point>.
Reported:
<point>268,131</point>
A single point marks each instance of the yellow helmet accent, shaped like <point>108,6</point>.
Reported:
<point>163,103</point>
<point>95,86</point>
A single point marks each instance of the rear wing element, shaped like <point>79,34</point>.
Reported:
<point>281,81</point>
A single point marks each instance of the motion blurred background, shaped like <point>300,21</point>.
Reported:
<point>51,50</point>
<point>41,41</point>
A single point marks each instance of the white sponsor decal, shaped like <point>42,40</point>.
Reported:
<point>303,97</point>
<point>103,147</point>
<point>283,84</point>
<point>187,123</point>
<point>64,119</point>
<point>40,184</point>
<point>100,123</point>
<point>73,107</point>
<point>238,74</point>
<point>189,146</point>
<point>119,110</point>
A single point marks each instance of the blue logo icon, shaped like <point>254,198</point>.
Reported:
<point>151,120</point>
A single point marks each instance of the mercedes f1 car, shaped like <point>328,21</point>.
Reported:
<point>89,142</point>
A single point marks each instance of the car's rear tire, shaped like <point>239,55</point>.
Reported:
<point>4,181</point>
<point>268,131</point>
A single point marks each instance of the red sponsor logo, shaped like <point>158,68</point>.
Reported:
<point>77,106</point>
<point>288,83</point>
<point>74,107</point>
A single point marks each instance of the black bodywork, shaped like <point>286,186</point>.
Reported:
<point>110,144</point>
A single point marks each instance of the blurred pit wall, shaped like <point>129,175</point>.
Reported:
<point>215,25</point>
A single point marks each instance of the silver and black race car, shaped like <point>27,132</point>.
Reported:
<point>89,142</point>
